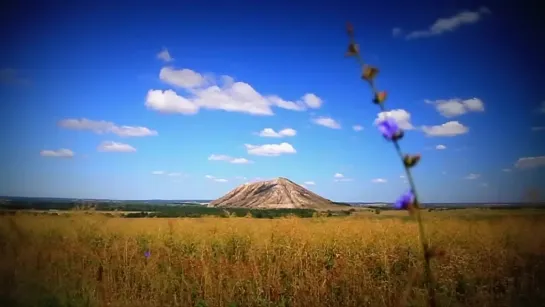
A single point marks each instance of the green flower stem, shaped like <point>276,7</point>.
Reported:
<point>430,285</point>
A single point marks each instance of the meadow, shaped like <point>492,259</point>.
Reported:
<point>492,258</point>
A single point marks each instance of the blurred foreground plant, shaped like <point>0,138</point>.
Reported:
<point>393,133</point>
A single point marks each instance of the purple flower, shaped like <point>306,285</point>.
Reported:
<point>147,254</point>
<point>390,130</point>
<point>405,201</point>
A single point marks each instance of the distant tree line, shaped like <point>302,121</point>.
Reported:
<point>139,210</point>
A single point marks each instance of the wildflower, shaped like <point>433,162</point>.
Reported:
<point>406,201</point>
<point>369,73</point>
<point>411,160</point>
<point>390,130</point>
<point>380,97</point>
<point>147,254</point>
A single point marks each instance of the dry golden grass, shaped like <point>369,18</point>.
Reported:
<point>81,260</point>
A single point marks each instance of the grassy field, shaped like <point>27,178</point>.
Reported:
<point>493,258</point>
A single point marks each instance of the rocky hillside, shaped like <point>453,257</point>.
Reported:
<point>272,194</point>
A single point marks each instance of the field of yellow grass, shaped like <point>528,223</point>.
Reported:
<point>493,258</point>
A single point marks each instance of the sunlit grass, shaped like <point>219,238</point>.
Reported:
<point>493,259</point>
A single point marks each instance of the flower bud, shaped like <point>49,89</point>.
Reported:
<point>353,49</point>
<point>380,97</point>
<point>369,73</point>
<point>411,160</point>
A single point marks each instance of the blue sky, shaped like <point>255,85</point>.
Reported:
<point>184,100</point>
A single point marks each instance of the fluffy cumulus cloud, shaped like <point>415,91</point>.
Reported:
<point>440,147</point>
<point>357,128</point>
<point>530,162</point>
<point>379,180</point>
<point>449,129</point>
<point>102,127</point>
<point>402,117</point>
<point>456,107</point>
<point>205,92</point>
<point>327,122</point>
<point>472,176</point>
<point>110,146</point>
<point>59,153</point>
<point>270,150</point>
<point>169,102</point>
<point>229,159</point>
<point>270,133</point>
<point>449,24</point>
<point>214,178</point>
<point>164,55</point>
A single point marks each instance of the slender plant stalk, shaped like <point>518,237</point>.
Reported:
<point>430,285</point>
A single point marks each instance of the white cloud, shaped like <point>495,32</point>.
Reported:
<point>270,150</point>
<point>326,122</point>
<point>440,147</point>
<point>452,128</point>
<point>269,132</point>
<point>456,107</point>
<point>103,127</point>
<point>506,170</point>
<point>379,180</point>
<point>213,178</point>
<point>110,146</point>
<point>530,162</point>
<point>241,161</point>
<point>357,128</point>
<point>472,176</point>
<point>310,183</point>
<point>338,177</point>
<point>312,101</point>
<point>158,172</point>
<point>402,118</point>
<point>164,55</point>
<point>396,32</point>
<point>60,153</point>
<point>184,78</point>
<point>205,92</point>
<point>229,159</point>
<point>169,102</point>
<point>449,24</point>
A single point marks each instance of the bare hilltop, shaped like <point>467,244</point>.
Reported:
<point>273,194</point>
